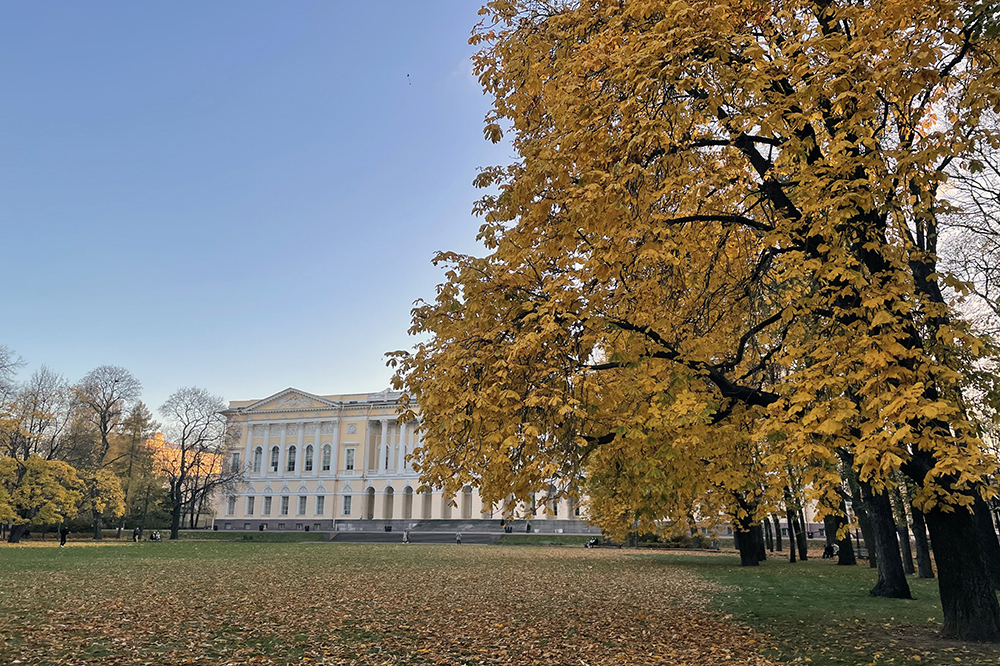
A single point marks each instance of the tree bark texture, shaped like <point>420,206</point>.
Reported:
<point>924,567</point>
<point>800,537</point>
<point>845,552</point>
<point>861,511</point>
<point>968,598</point>
<point>768,536</point>
<point>16,532</point>
<point>891,579</point>
<point>777,533</point>
<point>988,539</point>
<point>902,530</point>
<point>791,535</point>
<point>746,536</point>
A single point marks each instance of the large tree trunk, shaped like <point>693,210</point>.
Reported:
<point>988,539</point>
<point>830,523</point>
<point>902,530</point>
<point>845,552</point>
<point>791,535</point>
<point>777,533</point>
<point>924,566</point>
<point>768,537</point>
<point>759,540</point>
<point>176,501</point>
<point>968,598</point>
<point>16,532</point>
<point>861,511</point>
<point>800,537</point>
<point>891,579</point>
<point>746,537</point>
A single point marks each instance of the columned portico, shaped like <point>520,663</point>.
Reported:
<point>365,479</point>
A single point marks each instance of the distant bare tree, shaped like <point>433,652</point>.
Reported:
<point>193,462</point>
<point>40,410</point>
<point>971,236</point>
<point>10,363</point>
<point>104,395</point>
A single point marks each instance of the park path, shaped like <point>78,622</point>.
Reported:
<point>364,604</point>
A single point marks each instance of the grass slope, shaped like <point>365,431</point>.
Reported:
<point>822,613</point>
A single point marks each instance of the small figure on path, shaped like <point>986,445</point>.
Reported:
<point>527,528</point>
<point>63,533</point>
<point>458,538</point>
<point>406,536</point>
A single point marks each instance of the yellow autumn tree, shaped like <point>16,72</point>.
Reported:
<point>718,244</point>
<point>35,491</point>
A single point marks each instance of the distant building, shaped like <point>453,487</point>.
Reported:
<point>334,462</point>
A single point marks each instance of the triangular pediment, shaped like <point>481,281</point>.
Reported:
<point>289,400</point>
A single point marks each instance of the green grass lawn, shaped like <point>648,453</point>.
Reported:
<point>820,612</point>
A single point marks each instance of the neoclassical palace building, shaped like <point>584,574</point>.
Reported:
<point>334,462</point>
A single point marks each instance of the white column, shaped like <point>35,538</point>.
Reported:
<point>335,461</point>
<point>384,447</point>
<point>300,449</point>
<point>401,450</point>
<point>249,457</point>
<point>282,454</point>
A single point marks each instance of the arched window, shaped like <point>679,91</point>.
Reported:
<point>327,451</point>
<point>308,465</point>
<point>274,459</point>
<point>290,467</point>
<point>258,454</point>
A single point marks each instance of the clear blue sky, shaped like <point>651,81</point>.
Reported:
<point>241,196</point>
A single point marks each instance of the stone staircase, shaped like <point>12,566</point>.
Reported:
<point>450,527</point>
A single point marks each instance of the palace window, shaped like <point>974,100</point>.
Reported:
<point>308,465</point>
<point>284,505</point>
<point>347,505</point>
<point>234,461</point>
<point>290,467</point>
<point>250,503</point>
<point>302,505</point>
<point>274,459</point>
<point>267,505</point>
<point>349,460</point>
<point>258,453</point>
<point>320,504</point>
<point>231,506</point>
<point>326,457</point>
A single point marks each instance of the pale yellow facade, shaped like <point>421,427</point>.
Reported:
<point>334,463</point>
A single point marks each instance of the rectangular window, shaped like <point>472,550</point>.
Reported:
<point>281,526</point>
<point>320,504</point>
<point>349,460</point>
<point>284,505</point>
<point>246,526</point>
<point>234,461</point>
<point>274,459</point>
<point>229,526</point>
<point>250,503</point>
<point>347,505</point>
<point>231,506</point>
<point>267,505</point>
<point>302,505</point>
<point>326,458</point>
<point>298,526</point>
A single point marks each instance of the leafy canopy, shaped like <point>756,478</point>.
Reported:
<point>715,259</point>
